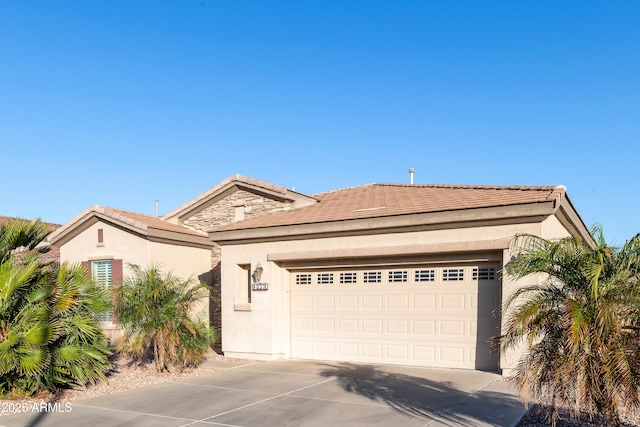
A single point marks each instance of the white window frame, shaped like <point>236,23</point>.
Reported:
<point>102,273</point>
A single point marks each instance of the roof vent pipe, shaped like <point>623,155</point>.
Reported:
<point>411,171</point>
<point>157,204</point>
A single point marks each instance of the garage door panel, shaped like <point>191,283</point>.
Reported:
<point>347,326</point>
<point>473,302</point>
<point>424,327</point>
<point>424,355</point>
<point>325,349</point>
<point>397,302</point>
<point>453,302</point>
<point>302,325</point>
<point>325,302</point>
<point>372,350</point>
<point>452,328</point>
<point>372,302</point>
<point>397,326</point>
<point>325,325</point>
<point>452,355</point>
<point>421,302</point>
<point>348,350</point>
<point>347,302</point>
<point>372,326</point>
<point>400,352</point>
<point>409,316</point>
<point>302,302</point>
<point>472,325</point>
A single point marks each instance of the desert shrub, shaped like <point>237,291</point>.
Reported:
<point>156,314</point>
<point>49,334</point>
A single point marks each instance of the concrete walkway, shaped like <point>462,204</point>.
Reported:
<point>300,393</point>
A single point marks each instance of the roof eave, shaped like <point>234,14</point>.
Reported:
<point>571,220</point>
<point>172,237</point>
<point>531,212</point>
<point>91,216</point>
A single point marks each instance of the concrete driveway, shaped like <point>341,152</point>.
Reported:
<point>300,393</point>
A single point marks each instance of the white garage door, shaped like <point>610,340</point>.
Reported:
<point>436,316</point>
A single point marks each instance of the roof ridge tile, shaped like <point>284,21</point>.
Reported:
<point>353,187</point>
<point>471,186</point>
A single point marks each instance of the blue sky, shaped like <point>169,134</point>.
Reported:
<point>121,103</point>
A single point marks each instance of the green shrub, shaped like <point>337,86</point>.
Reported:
<point>155,312</point>
<point>49,334</point>
<point>577,321</point>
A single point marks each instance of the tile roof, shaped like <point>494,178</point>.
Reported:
<point>382,199</point>
<point>145,222</point>
<point>136,220</point>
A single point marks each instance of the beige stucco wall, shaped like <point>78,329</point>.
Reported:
<point>230,207</point>
<point>550,228</point>
<point>116,243</point>
<point>184,262</point>
<point>264,331</point>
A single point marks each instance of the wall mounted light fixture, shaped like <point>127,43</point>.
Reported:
<point>257,273</point>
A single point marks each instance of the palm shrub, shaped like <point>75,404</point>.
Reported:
<point>18,237</point>
<point>156,314</point>
<point>577,323</point>
<point>49,334</point>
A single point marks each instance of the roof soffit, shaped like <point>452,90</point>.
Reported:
<point>572,221</point>
<point>384,252</point>
<point>533,212</point>
<point>164,236</point>
<point>65,234</point>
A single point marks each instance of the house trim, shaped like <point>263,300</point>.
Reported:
<point>396,251</point>
<point>533,212</point>
<point>92,216</point>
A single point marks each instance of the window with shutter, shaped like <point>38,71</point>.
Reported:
<point>101,273</point>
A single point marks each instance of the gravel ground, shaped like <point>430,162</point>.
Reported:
<point>536,417</point>
<point>125,376</point>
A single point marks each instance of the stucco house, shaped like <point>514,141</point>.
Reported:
<point>378,273</point>
<point>107,240</point>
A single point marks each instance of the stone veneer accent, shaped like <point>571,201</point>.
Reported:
<point>218,214</point>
